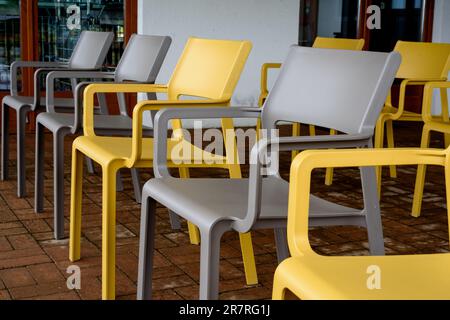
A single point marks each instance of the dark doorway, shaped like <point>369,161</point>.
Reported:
<point>400,20</point>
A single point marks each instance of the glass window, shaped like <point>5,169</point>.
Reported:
<point>399,4</point>
<point>337,19</point>
<point>9,38</point>
<point>61,21</point>
<point>327,18</point>
<point>401,20</point>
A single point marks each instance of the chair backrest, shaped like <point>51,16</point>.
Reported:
<point>339,43</point>
<point>141,62</point>
<point>91,50</point>
<point>423,60</point>
<point>339,89</point>
<point>142,58</point>
<point>209,68</point>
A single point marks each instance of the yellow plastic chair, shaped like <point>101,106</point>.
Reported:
<point>320,42</point>
<point>432,123</point>
<point>206,69</point>
<point>311,277</point>
<point>421,63</point>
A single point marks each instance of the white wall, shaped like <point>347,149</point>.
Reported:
<point>272,26</point>
<point>441,33</point>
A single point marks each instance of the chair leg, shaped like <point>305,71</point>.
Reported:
<point>379,143</point>
<point>296,127</point>
<point>109,231</point>
<point>391,145</point>
<point>248,258</point>
<point>279,288</point>
<point>5,143</point>
<point>76,196</point>
<point>136,185</point>
<point>194,234</point>
<point>58,182</point>
<point>209,262</point>
<point>281,244</point>
<point>447,188</point>
<point>21,123</point>
<point>445,113</point>
<point>372,211</point>
<point>39,168</point>
<point>420,177</point>
<point>329,173</point>
<point>119,183</point>
<point>90,166</point>
<point>146,247</point>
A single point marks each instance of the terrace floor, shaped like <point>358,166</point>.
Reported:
<point>33,265</point>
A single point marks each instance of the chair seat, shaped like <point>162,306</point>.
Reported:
<point>105,124</point>
<point>105,149</point>
<point>16,102</point>
<point>412,277</point>
<point>198,200</point>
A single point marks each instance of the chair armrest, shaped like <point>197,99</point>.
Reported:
<point>264,76</point>
<point>49,90</point>
<point>428,99</point>
<point>261,150</point>
<point>69,74</point>
<point>16,65</point>
<point>163,117</point>
<point>402,94</point>
<point>123,87</point>
<point>307,161</point>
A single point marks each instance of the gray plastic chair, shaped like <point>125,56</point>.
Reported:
<point>344,90</point>
<point>140,62</point>
<point>88,54</point>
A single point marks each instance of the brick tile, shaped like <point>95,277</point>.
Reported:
<point>33,265</point>
<point>22,241</point>
<point>4,295</point>
<point>18,277</point>
<point>4,244</point>
<point>46,272</point>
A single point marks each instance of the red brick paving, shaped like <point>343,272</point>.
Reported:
<point>33,265</point>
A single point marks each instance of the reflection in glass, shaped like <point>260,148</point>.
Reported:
<point>60,23</point>
<point>328,18</point>
<point>338,18</point>
<point>9,39</point>
<point>401,20</point>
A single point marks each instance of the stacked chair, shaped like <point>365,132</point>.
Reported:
<point>311,276</point>
<point>88,55</point>
<point>140,63</point>
<point>315,86</point>
<point>421,63</point>
<point>207,69</point>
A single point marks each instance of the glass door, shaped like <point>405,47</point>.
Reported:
<point>400,20</point>
<point>328,18</point>
<point>9,39</point>
<point>47,30</point>
<point>60,23</point>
